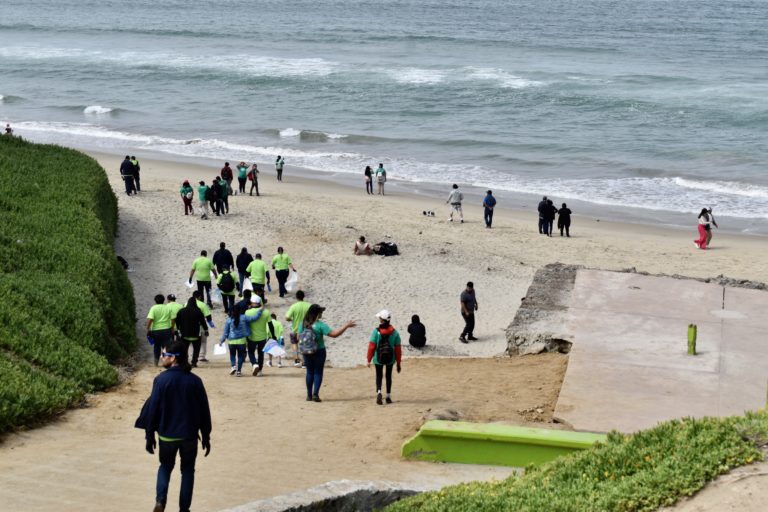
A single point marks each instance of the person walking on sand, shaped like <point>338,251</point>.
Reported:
<point>281,262</point>
<point>201,270</point>
<point>368,175</point>
<point>279,164</point>
<point>468,303</point>
<point>705,221</point>
<point>551,211</point>
<point>174,307</point>
<point>542,208</point>
<point>489,202</point>
<point>190,322</point>
<point>187,194</point>
<point>242,176</point>
<point>253,175</point>
<point>315,361</point>
<point>159,326</point>
<point>236,332</point>
<point>227,175</point>
<point>454,199</point>
<point>384,349</point>
<point>126,172</point>
<point>564,220</point>
<point>243,260</point>
<point>223,258</point>
<point>202,200</point>
<point>212,195</point>
<point>258,318</point>
<point>178,411</point>
<point>203,307</point>
<point>277,331</point>
<point>709,231</point>
<point>228,287</point>
<point>136,173</point>
<point>381,179</point>
<point>295,315</point>
<point>224,191</point>
<point>418,333</point>
<point>258,273</point>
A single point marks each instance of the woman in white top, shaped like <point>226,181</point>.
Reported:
<point>705,229</point>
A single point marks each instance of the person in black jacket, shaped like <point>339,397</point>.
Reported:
<point>564,220</point>
<point>418,333</point>
<point>223,258</point>
<point>243,260</point>
<point>126,172</point>
<point>542,208</point>
<point>178,411</point>
<point>550,212</point>
<point>190,323</point>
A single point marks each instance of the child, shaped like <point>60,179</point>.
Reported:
<point>277,329</point>
<point>418,333</point>
<point>384,350</point>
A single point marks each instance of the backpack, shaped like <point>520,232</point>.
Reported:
<point>386,249</point>
<point>308,341</point>
<point>227,283</point>
<point>385,354</point>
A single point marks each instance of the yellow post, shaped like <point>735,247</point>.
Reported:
<point>692,339</point>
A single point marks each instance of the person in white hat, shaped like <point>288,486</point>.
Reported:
<point>384,350</point>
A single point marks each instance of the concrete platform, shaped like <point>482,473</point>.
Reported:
<point>629,368</point>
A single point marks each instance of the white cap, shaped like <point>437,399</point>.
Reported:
<point>384,314</point>
<point>255,299</point>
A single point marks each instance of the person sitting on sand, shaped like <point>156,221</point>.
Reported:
<point>418,333</point>
<point>362,248</point>
<point>384,349</point>
<point>187,194</point>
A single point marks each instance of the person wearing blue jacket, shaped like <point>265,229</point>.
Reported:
<point>236,332</point>
<point>488,203</point>
<point>178,411</point>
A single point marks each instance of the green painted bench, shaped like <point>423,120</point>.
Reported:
<point>493,444</point>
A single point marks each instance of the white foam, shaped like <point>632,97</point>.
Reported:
<point>724,187</point>
<point>503,78</point>
<point>1,98</point>
<point>290,132</point>
<point>417,75</point>
<point>96,109</point>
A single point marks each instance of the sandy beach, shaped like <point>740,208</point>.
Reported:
<point>266,439</point>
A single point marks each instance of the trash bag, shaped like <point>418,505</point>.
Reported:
<point>216,296</point>
<point>292,282</point>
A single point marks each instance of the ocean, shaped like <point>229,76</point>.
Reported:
<point>647,109</point>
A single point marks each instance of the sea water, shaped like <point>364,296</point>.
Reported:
<point>641,106</point>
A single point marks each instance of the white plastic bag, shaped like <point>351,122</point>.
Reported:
<point>189,284</point>
<point>247,285</point>
<point>292,282</point>
<point>219,350</point>
<point>216,296</point>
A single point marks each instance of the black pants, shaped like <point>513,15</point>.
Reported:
<point>379,375</point>
<point>187,451</point>
<point>214,204</point>
<point>163,338</point>
<point>224,205</point>
<point>204,287</point>
<point>369,187</point>
<point>128,184</point>
<point>137,181</point>
<point>469,324</point>
<point>543,224</point>
<point>229,302</point>
<point>282,277</point>
<point>255,347</point>
<point>488,214</point>
<point>279,175</point>
<point>566,227</point>
<point>195,348</point>
<point>254,185</point>
<point>242,181</point>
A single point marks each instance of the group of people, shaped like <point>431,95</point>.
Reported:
<point>379,176</point>
<point>705,222</point>
<point>456,197</point>
<point>129,172</point>
<point>547,212</point>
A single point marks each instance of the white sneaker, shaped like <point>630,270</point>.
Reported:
<point>232,370</point>
<point>279,364</point>
<point>269,363</point>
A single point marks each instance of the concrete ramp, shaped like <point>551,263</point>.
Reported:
<point>628,367</point>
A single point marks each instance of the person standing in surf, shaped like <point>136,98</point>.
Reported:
<point>279,164</point>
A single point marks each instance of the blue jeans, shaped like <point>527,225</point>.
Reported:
<point>314,363</point>
<point>239,351</point>
<point>187,451</point>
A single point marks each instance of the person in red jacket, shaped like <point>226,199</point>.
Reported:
<point>227,175</point>
<point>384,350</point>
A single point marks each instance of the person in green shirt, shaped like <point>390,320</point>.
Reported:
<point>258,318</point>
<point>223,196</point>
<point>201,270</point>
<point>277,330</point>
<point>187,194</point>
<point>203,334</point>
<point>159,326</point>
<point>316,362</point>
<point>242,176</point>
<point>279,164</point>
<point>202,198</point>
<point>173,306</point>
<point>281,262</point>
<point>258,274</point>
<point>384,350</point>
<point>295,315</point>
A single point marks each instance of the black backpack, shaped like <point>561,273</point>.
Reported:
<point>385,354</point>
<point>227,283</point>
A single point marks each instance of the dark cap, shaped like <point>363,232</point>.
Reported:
<point>171,296</point>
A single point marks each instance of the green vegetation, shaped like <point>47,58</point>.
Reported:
<point>639,472</point>
<point>67,308</point>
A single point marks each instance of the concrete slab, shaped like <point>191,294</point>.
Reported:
<point>628,367</point>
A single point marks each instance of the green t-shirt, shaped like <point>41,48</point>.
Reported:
<point>160,315</point>
<point>202,190</point>
<point>257,269</point>
<point>242,172</point>
<point>223,189</point>
<point>259,329</point>
<point>277,327</point>
<point>281,261</point>
<point>202,306</point>
<point>321,329</point>
<point>218,281</point>
<point>394,340</point>
<point>296,314</point>
<point>202,267</point>
<point>175,307</point>
<point>184,191</point>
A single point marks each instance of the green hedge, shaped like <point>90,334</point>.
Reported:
<point>640,472</point>
<point>67,305</point>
